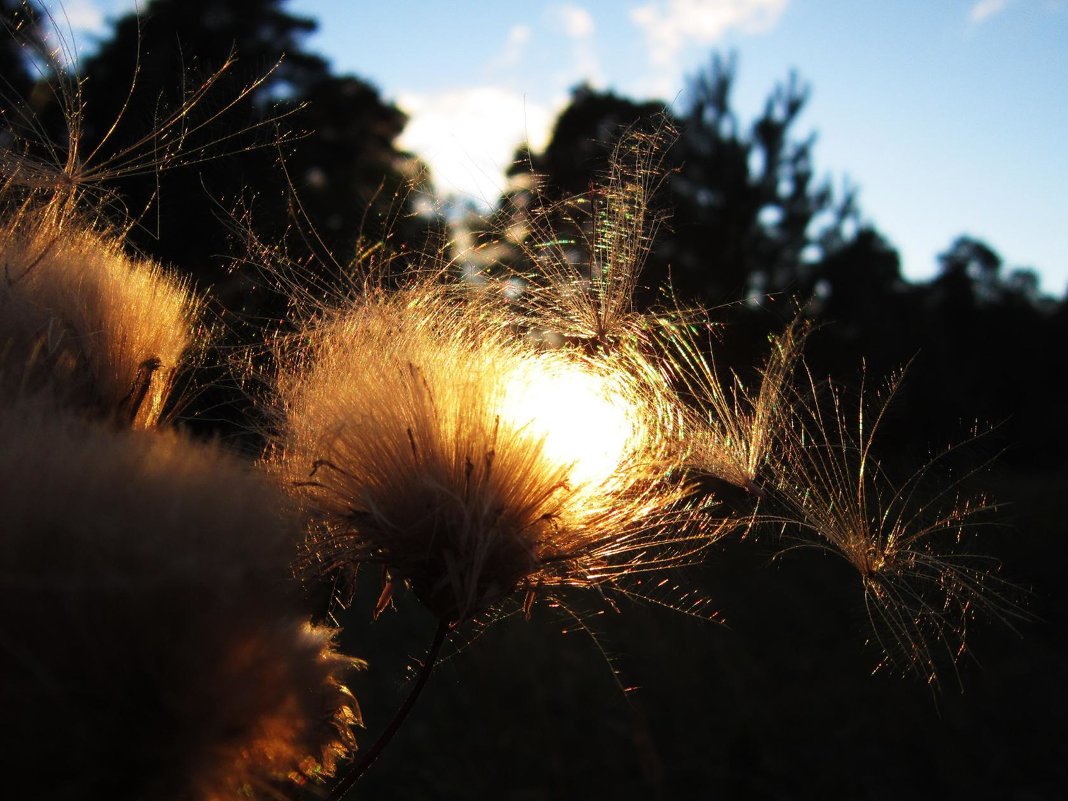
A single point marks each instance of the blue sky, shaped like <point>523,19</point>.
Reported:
<point>950,115</point>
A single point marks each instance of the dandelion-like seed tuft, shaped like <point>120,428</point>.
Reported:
<point>425,435</point>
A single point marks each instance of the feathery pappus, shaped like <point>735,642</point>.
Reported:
<point>422,433</point>
<point>732,429</point>
<point>155,644</point>
<point>907,540</point>
<point>85,322</point>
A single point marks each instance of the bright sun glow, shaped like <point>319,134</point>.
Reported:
<point>582,418</point>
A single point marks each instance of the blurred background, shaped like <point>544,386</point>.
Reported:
<point>923,226</point>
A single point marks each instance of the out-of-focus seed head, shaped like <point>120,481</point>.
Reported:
<point>155,644</point>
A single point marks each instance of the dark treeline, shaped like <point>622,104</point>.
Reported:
<point>751,227</point>
<point>309,159</point>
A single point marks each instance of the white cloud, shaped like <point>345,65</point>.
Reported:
<point>984,9</point>
<point>577,25</point>
<point>518,36</point>
<point>671,25</point>
<point>577,22</point>
<point>68,24</point>
<point>514,47</point>
<point>468,136</point>
<point>73,27</point>
<point>588,66</point>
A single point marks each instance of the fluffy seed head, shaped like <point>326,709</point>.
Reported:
<point>153,644</point>
<point>85,322</point>
<point>906,540</point>
<point>428,436</point>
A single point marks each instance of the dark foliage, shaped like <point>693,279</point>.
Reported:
<point>18,32</point>
<point>748,219</point>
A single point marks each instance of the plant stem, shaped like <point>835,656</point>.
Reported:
<point>357,770</point>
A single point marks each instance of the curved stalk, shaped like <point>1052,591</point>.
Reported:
<point>349,779</point>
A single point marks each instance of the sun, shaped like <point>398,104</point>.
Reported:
<point>583,417</point>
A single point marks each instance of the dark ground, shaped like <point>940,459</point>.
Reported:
<point>779,703</point>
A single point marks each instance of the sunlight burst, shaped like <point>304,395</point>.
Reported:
<point>583,418</point>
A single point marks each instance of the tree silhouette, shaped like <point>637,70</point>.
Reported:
<point>291,126</point>
<point>858,288</point>
<point>21,39</point>
<point>351,181</point>
<point>970,272</point>
<point>15,18</point>
<point>579,151</point>
<point>747,213</point>
<point>747,203</point>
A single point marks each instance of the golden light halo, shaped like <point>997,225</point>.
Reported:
<point>583,417</point>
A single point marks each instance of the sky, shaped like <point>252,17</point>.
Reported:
<point>950,116</point>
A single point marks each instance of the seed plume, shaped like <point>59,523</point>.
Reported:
<point>908,541</point>
<point>732,428</point>
<point>426,435</point>
<point>154,644</point>
<point>84,321</point>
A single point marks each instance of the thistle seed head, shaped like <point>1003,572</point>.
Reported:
<point>422,433</point>
<point>156,647</point>
<point>84,322</point>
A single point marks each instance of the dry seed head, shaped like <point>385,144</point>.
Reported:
<point>906,541</point>
<point>427,436</point>
<point>732,429</point>
<point>156,647</point>
<point>84,321</point>
<point>587,252</point>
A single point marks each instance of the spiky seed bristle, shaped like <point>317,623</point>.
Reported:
<point>732,429</point>
<point>904,539</point>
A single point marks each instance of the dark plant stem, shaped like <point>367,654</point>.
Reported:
<point>357,770</point>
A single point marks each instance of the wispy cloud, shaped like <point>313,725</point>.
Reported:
<point>576,21</point>
<point>578,26</point>
<point>468,136</point>
<point>515,46</point>
<point>671,25</point>
<point>983,10</point>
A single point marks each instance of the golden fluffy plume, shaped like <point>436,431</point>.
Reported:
<point>83,321</point>
<point>424,434</point>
